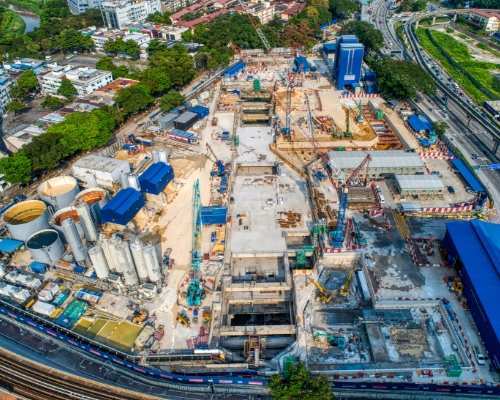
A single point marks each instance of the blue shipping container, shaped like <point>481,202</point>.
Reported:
<point>213,215</point>
<point>156,178</point>
<point>38,267</point>
<point>201,111</point>
<point>123,207</point>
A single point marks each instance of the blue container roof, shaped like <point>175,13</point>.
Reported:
<point>235,68</point>
<point>201,111</point>
<point>37,266</point>
<point>468,176</point>
<point>156,177</point>
<point>123,206</point>
<point>419,122</point>
<point>478,246</point>
<point>8,245</point>
<point>186,134</point>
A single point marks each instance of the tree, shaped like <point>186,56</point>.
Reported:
<point>70,40</point>
<point>176,63</point>
<point>127,48</point>
<point>343,8</point>
<point>400,79</point>
<point>298,383</point>
<point>52,103</point>
<point>171,100</point>
<point>16,106</point>
<point>367,34</point>
<point>156,45</point>
<point>16,168</point>
<point>412,5</point>
<point>156,80</point>
<point>67,89</point>
<point>25,86</point>
<point>106,64</point>
<point>159,18</point>
<point>133,99</point>
<point>440,127</point>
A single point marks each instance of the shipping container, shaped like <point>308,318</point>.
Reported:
<point>156,178</point>
<point>183,136</point>
<point>201,111</point>
<point>38,267</point>
<point>123,207</point>
<point>213,215</point>
<point>186,120</point>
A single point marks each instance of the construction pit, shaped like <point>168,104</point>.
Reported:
<point>269,284</point>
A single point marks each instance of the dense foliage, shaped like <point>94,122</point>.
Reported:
<point>11,24</point>
<point>412,5</point>
<point>400,79</point>
<point>475,3</point>
<point>120,47</point>
<point>133,99</point>
<point>52,103</point>
<point>80,131</point>
<point>367,34</point>
<point>298,383</point>
<point>23,90</point>
<point>67,89</point>
<point>107,64</point>
<point>160,18</point>
<point>171,100</point>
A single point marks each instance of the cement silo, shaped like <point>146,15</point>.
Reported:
<point>87,222</point>
<point>124,180</point>
<point>136,248</point>
<point>59,192</point>
<point>46,246</point>
<point>98,261</point>
<point>72,236</point>
<point>26,218</point>
<point>125,258</point>
<point>116,254</point>
<point>64,214</point>
<point>92,196</point>
<point>160,156</point>
<point>107,249</point>
<point>152,263</point>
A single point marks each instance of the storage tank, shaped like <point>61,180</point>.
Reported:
<point>98,261</point>
<point>124,180</point>
<point>92,195</point>
<point>106,246</point>
<point>160,156</point>
<point>87,222</point>
<point>59,191</point>
<point>46,246</point>
<point>133,182</point>
<point>67,213</point>
<point>26,218</point>
<point>137,249</point>
<point>72,236</point>
<point>152,263</point>
<point>125,259</point>
<point>115,245</point>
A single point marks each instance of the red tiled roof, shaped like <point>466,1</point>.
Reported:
<point>486,13</point>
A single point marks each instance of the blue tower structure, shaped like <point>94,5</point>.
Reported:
<point>348,61</point>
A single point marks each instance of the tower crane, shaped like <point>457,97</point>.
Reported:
<point>260,34</point>
<point>195,289</point>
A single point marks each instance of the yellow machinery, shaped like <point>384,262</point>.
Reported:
<point>344,289</point>
<point>324,295</point>
<point>183,319</point>
<point>457,286</point>
<point>140,317</point>
<point>219,245</point>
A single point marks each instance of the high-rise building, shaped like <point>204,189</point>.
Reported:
<point>5,83</point>
<point>348,61</point>
<point>80,6</point>
<point>119,14</point>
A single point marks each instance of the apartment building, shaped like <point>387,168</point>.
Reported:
<point>86,80</point>
<point>80,6</point>
<point>5,83</point>
<point>119,14</point>
<point>489,20</point>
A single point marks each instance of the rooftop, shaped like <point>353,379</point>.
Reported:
<point>380,159</point>
<point>419,182</point>
<point>100,163</point>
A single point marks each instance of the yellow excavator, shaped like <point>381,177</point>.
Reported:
<point>344,289</point>
<point>324,295</point>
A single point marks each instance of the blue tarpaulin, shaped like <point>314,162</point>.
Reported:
<point>330,47</point>
<point>201,111</point>
<point>234,69</point>
<point>419,123</point>
<point>469,178</point>
<point>38,267</point>
<point>123,206</point>
<point>8,245</point>
<point>301,64</point>
<point>476,244</point>
<point>213,215</point>
<point>156,178</point>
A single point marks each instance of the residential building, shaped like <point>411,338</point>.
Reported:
<point>5,83</point>
<point>80,6</point>
<point>25,64</point>
<point>264,11</point>
<point>22,136</point>
<point>85,80</point>
<point>174,5</point>
<point>119,14</point>
<point>101,36</point>
<point>489,20</point>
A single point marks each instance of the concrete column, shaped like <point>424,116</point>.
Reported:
<point>433,20</point>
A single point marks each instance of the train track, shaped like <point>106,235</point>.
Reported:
<point>37,381</point>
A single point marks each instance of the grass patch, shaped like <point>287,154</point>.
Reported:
<point>35,6</point>
<point>11,24</point>
<point>475,77</point>
<point>487,48</point>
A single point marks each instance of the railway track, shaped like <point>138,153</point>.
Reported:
<point>37,381</point>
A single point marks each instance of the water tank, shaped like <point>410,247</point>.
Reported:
<point>98,261</point>
<point>136,248</point>
<point>72,236</point>
<point>59,192</point>
<point>87,222</point>
<point>26,218</point>
<point>46,246</point>
<point>152,263</point>
<point>133,182</point>
<point>92,196</point>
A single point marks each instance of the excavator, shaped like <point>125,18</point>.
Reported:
<point>324,295</point>
<point>344,289</point>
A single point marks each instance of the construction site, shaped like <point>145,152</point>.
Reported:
<point>274,218</point>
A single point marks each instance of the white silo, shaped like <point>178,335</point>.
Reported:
<point>87,222</point>
<point>99,263</point>
<point>133,182</point>
<point>72,236</point>
<point>136,248</point>
<point>129,273</point>
<point>116,254</point>
<point>107,249</point>
<point>45,246</point>
<point>25,218</point>
<point>160,156</point>
<point>124,180</point>
<point>152,263</point>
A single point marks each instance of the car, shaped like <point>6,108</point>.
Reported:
<point>474,156</point>
<point>450,189</point>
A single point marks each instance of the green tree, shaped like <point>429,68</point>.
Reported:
<point>16,168</point>
<point>25,86</point>
<point>52,103</point>
<point>120,47</point>
<point>160,18</point>
<point>367,34</point>
<point>156,80</point>
<point>400,79</point>
<point>176,63</point>
<point>133,99</point>
<point>67,89</point>
<point>299,384</point>
<point>440,127</point>
<point>16,106</point>
<point>171,100</point>
<point>105,64</point>
<point>156,45</point>
<point>343,8</point>
<point>70,40</point>
<point>412,5</point>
